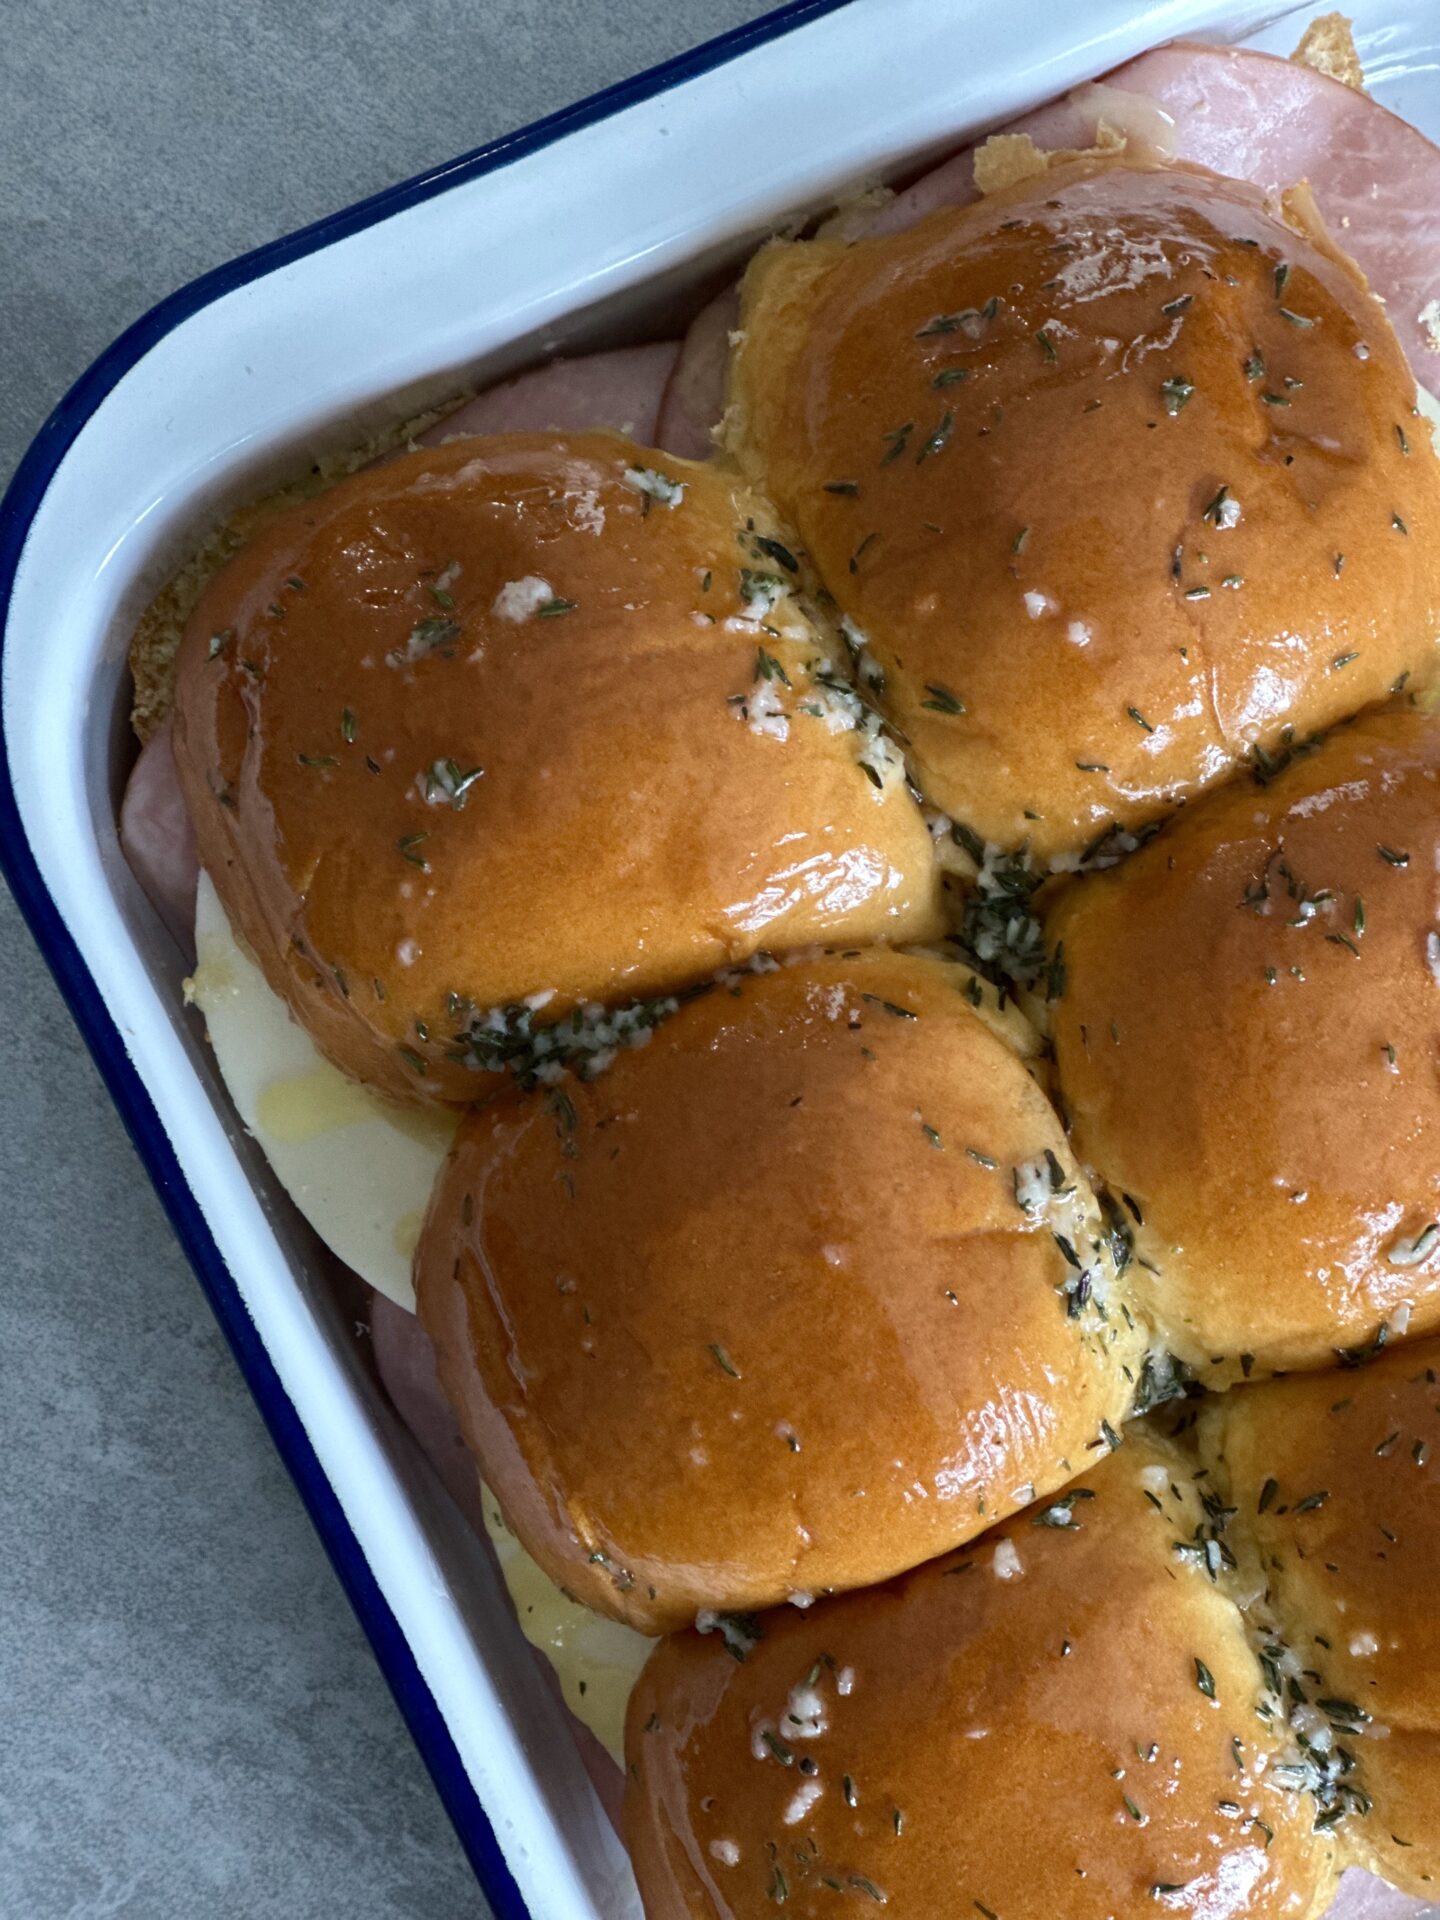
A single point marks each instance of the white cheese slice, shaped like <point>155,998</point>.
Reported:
<point>597,1661</point>
<point>359,1168</point>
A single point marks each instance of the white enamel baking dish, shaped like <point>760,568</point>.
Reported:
<point>586,228</point>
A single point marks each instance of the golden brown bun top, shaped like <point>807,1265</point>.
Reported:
<point>494,721</point>
<point>758,1311</point>
<point>1224,1047</point>
<point>1060,1720</point>
<point>1339,1478</point>
<point>1118,462</point>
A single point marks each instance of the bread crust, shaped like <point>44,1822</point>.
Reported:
<point>1116,470</point>
<point>1246,1046</point>
<point>758,1311</point>
<point>493,724</point>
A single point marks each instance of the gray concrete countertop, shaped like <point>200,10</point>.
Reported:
<point>193,1725</point>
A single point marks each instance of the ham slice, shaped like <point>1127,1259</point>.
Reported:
<point>695,392</point>
<point>1253,116</point>
<point>157,839</point>
<point>622,389</point>
<point>1363,1897</point>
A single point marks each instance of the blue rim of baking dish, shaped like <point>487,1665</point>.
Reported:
<point>21,503</point>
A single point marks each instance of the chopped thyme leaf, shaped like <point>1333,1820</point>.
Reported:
<point>347,726</point>
<point>1255,367</point>
<point>1310,1502</point>
<point>1223,511</point>
<point>1181,305</point>
<point>779,1887</point>
<point>317,760</point>
<point>445,782</point>
<point>942,700</point>
<point>856,555</point>
<point>982,1159</point>
<point>1046,344</point>
<point>1296,319</point>
<point>767,667</point>
<point>1398,524</point>
<point>847,487</point>
<point>1176,392</point>
<point>897,440</point>
<point>1017,545</point>
<point>1092,766</point>
<point>932,1136</point>
<point>1359,920</point>
<point>1394,858</point>
<point>867,1887</point>
<point>1275,399</point>
<point>951,377</point>
<point>552,609</point>
<point>1204,1679</point>
<point>900,1013</point>
<point>426,635</point>
<point>412,1059</point>
<point>1343,940</point>
<point>939,438</point>
<point>1282,274</point>
<point>1139,719</point>
<point>1343,660</point>
<point>407,844</point>
<point>1197,593</point>
<point>779,553</point>
<point>1400,436</point>
<point>723,1361</point>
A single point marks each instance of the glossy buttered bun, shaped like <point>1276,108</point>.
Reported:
<point>1063,1719</point>
<point>1338,1479</point>
<point>510,725</point>
<point>804,1291</point>
<point>1116,474</point>
<point>1246,1046</point>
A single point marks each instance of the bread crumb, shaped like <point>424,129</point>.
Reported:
<point>1328,45</point>
<point>1008,159</point>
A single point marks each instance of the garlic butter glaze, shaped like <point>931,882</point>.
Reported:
<point>1117,474</point>
<point>1063,1719</point>
<point>799,1294</point>
<point>1246,1045</point>
<point>509,725</point>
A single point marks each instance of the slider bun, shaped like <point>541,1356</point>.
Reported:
<point>646,809</point>
<point>1285,1169</point>
<point>1000,1736</point>
<point>1339,1477</point>
<point>1026,569</point>
<point>744,1317</point>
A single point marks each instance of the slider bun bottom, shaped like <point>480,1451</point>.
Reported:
<point>992,1731</point>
